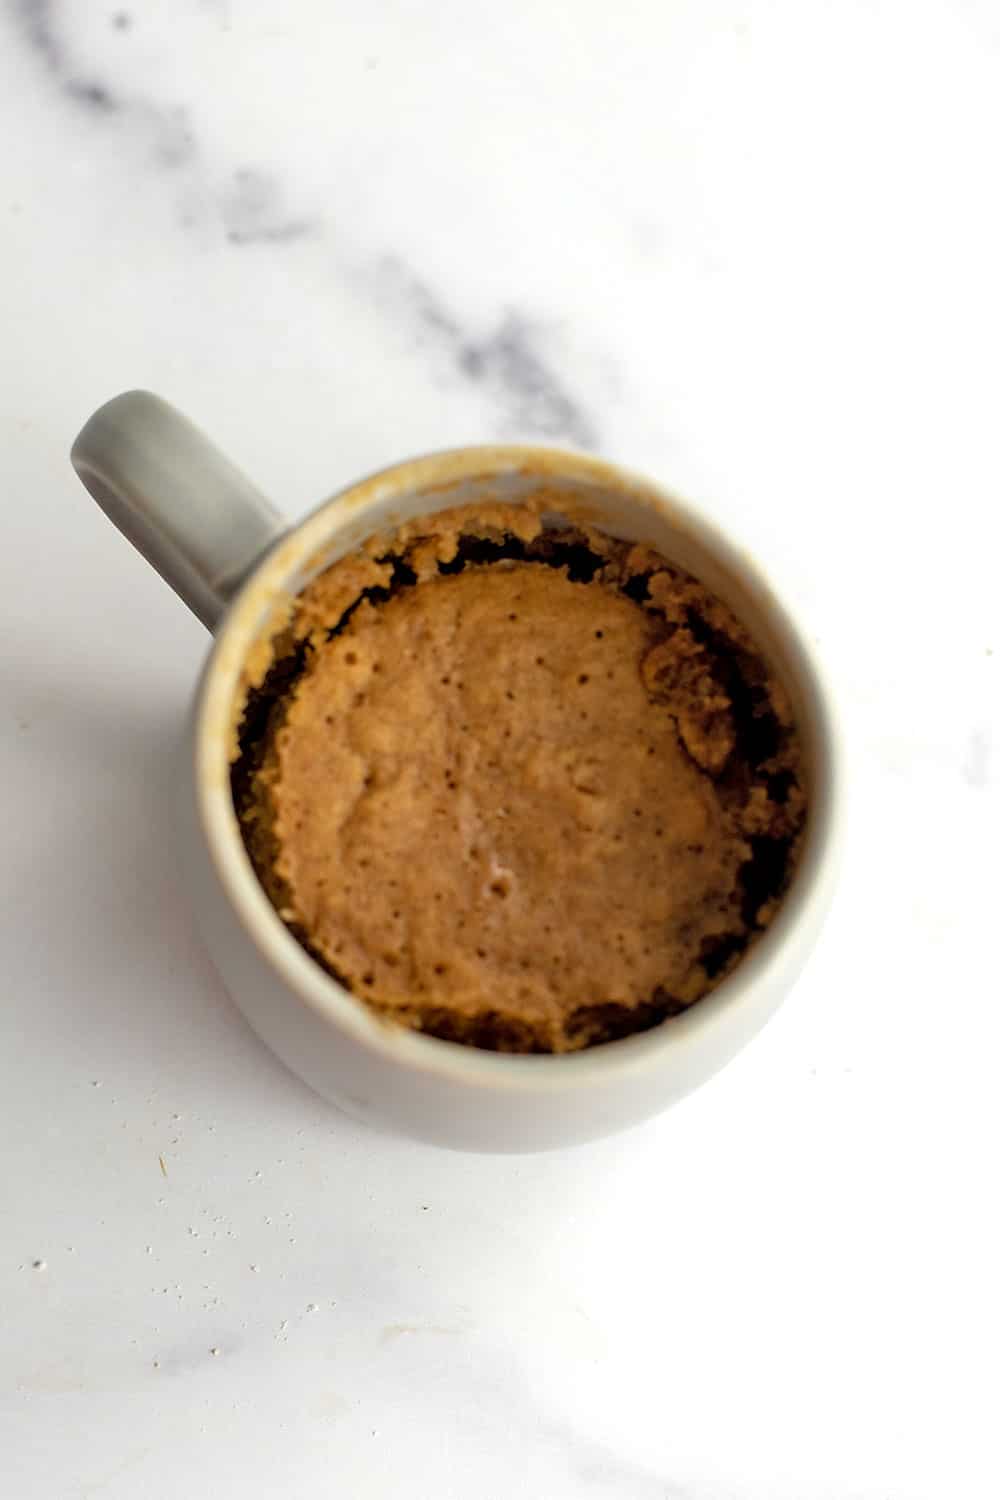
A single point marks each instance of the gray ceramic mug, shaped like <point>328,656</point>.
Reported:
<point>230,556</point>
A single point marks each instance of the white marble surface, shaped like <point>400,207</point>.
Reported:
<point>749,247</point>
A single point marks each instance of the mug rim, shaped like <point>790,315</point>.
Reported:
<point>308,981</point>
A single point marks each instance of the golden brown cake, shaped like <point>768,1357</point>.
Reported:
<point>526,789</point>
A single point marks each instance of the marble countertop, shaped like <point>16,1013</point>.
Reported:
<point>750,248</point>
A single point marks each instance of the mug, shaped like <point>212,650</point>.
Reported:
<point>232,559</point>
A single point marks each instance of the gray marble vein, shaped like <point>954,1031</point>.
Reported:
<point>253,212</point>
<point>37,22</point>
<point>249,205</point>
<point>509,362</point>
<point>515,362</point>
<point>166,132</point>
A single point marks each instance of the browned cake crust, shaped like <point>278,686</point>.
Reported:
<point>525,789</point>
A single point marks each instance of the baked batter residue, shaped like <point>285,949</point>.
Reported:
<point>526,789</point>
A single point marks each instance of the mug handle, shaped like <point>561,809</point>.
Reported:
<point>195,517</point>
